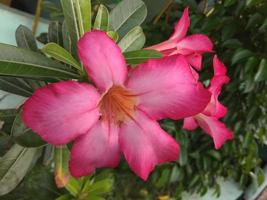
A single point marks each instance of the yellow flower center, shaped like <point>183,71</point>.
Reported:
<point>117,105</point>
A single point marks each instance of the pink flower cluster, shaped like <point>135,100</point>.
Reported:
<point>119,113</point>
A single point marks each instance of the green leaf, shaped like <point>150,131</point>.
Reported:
<point>214,154</point>
<point>113,35</point>
<point>102,19</point>
<point>39,184</point>
<point>83,13</point>
<point>60,54</point>
<point>126,15</point>
<point>25,38</point>
<point>232,44</point>
<point>240,55</point>
<point>164,178</point>
<point>55,33</point>
<point>15,86</point>
<point>8,116</point>
<point>14,166</point>
<point>23,63</point>
<point>62,175</point>
<point>71,22</point>
<point>183,157</point>
<point>140,56</point>
<point>228,3</point>
<point>25,136</point>
<point>66,38</point>
<point>65,197</point>
<point>261,74</point>
<point>252,2</point>
<point>133,40</point>
<point>154,8</point>
<point>176,174</point>
<point>100,187</point>
<point>253,20</point>
<point>260,176</point>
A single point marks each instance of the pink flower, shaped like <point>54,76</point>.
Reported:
<point>120,115</point>
<point>208,120</point>
<point>192,47</point>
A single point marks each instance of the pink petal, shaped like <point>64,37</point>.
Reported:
<point>218,67</point>
<point>197,43</point>
<point>190,123</point>
<point>103,59</point>
<point>145,144</point>
<point>167,47</point>
<point>215,108</point>
<point>98,148</point>
<point>61,111</point>
<point>216,129</point>
<point>166,88</point>
<point>195,60</point>
<point>182,26</point>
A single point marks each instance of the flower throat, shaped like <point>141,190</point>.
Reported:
<point>117,105</point>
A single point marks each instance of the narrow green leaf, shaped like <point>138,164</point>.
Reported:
<point>83,13</point>
<point>133,40</point>
<point>1,124</point>
<point>102,19</point>
<point>25,38</point>
<point>214,154</point>
<point>260,176</point>
<point>241,55</point>
<point>60,54</point>
<point>23,135</point>
<point>113,35</point>
<point>100,187</point>
<point>154,8</point>
<point>66,38</point>
<point>261,74</point>
<point>65,197</point>
<point>23,63</point>
<point>140,56</point>
<point>163,179</point>
<point>232,44</point>
<point>8,116</point>
<point>15,86</point>
<point>55,33</point>
<point>71,24</point>
<point>126,15</point>
<point>14,166</point>
<point>62,175</point>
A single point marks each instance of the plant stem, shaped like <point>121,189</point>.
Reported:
<point>37,16</point>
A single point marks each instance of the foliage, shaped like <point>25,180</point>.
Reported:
<point>239,31</point>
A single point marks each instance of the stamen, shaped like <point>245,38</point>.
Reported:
<point>117,104</point>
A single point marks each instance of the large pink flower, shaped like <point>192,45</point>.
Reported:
<point>208,120</point>
<point>120,114</point>
<point>192,47</point>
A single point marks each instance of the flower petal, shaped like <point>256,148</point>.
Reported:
<point>145,144</point>
<point>197,43</point>
<point>61,111</point>
<point>103,59</point>
<point>216,129</point>
<point>218,67</point>
<point>182,26</point>
<point>167,47</point>
<point>98,148</point>
<point>190,124</point>
<point>166,88</point>
<point>215,108</point>
<point>195,60</point>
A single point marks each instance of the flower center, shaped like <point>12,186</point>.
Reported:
<point>117,104</point>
